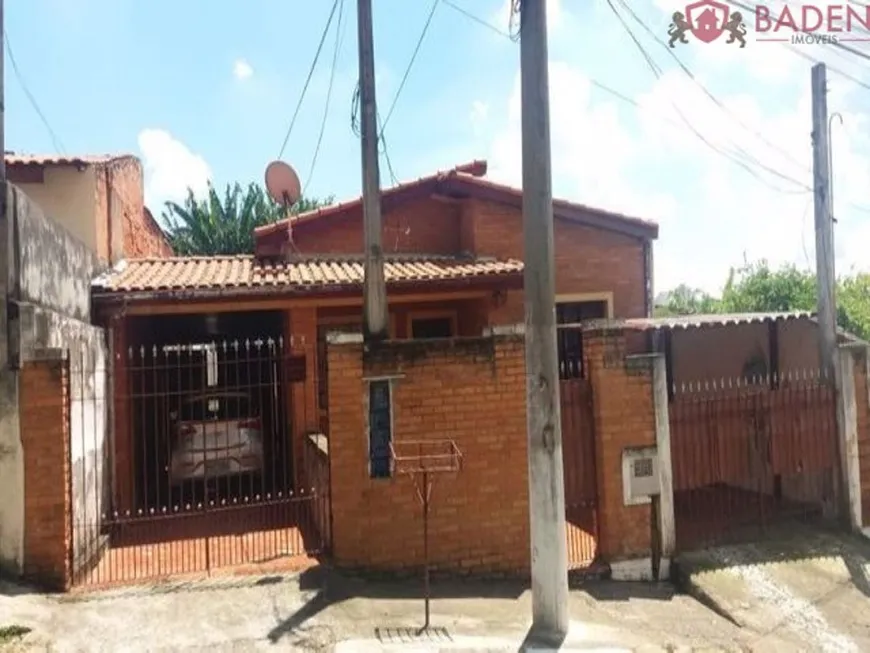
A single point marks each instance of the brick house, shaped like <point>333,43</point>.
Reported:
<point>453,248</point>
<point>97,198</point>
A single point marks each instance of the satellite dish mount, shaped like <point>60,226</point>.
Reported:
<point>282,184</point>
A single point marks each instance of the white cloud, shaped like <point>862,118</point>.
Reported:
<point>242,69</point>
<point>170,168</point>
<point>479,117</point>
<point>590,148</point>
<point>648,162</point>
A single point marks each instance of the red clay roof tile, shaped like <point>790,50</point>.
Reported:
<point>323,272</point>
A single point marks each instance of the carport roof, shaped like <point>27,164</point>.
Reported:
<point>695,321</point>
<point>684,322</point>
<point>162,276</point>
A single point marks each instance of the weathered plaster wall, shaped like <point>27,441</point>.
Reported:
<point>45,279</point>
<point>54,269</point>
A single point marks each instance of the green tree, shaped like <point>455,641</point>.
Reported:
<point>224,225</point>
<point>756,287</point>
<point>685,300</point>
<point>853,304</point>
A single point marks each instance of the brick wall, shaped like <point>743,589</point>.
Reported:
<point>587,260</point>
<point>469,390</point>
<point>624,415</point>
<point>424,226</point>
<point>301,335</point>
<point>44,419</point>
<point>133,232</point>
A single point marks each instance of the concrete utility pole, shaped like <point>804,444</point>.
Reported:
<point>374,288</point>
<point>546,486</point>
<point>2,112</point>
<point>824,223</point>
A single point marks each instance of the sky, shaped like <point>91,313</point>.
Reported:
<point>721,158</point>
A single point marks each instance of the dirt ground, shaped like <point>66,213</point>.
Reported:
<point>322,611</point>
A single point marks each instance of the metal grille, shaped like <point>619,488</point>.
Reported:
<point>748,455</point>
<point>578,457</point>
<point>191,462</point>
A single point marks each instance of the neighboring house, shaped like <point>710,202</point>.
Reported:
<point>97,198</point>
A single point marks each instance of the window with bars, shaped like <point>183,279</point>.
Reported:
<point>570,341</point>
<point>380,428</point>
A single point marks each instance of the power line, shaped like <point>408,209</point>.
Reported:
<point>410,63</point>
<point>338,39</point>
<point>54,139</point>
<point>664,118</point>
<point>842,73</point>
<point>709,94</point>
<point>515,21</point>
<point>476,19</point>
<point>308,79</point>
<point>657,72</point>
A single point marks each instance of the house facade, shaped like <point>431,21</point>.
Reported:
<point>97,199</point>
<point>453,245</point>
<point>255,344</point>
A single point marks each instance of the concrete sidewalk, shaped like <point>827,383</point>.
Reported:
<point>293,613</point>
<point>808,588</point>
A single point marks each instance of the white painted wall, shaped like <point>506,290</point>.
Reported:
<point>88,442</point>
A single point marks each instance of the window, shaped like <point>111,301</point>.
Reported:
<point>431,324</point>
<point>570,341</point>
<point>380,428</point>
<point>434,327</point>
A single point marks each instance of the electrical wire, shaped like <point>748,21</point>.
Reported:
<point>658,72</point>
<point>58,146</point>
<point>308,79</point>
<point>625,98</point>
<point>713,98</point>
<point>840,72</point>
<point>410,63</point>
<point>515,21</point>
<point>338,40</point>
<point>476,19</point>
<point>382,148</point>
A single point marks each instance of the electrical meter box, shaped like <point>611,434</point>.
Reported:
<point>640,474</point>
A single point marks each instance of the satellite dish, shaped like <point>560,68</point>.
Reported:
<point>282,184</point>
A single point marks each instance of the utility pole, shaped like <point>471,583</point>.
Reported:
<point>374,285</point>
<point>829,358</point>
<point>546,485</point>
<point>824,223</point>
<point>2,113</point>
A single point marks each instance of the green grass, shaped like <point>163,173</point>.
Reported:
<point>8,633</point>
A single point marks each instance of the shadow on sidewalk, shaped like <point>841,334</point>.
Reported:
<point>334,587</point>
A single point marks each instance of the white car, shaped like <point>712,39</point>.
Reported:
<point>216,435</point>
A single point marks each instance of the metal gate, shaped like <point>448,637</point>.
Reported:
<point>750,455</point>
<point>578,454</point>
<point>199,474</point>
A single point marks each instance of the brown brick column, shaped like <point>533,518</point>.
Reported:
<point>624,417</point>
<point>301,335</point>
<point>123,473</point>
<point>45,437</point>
